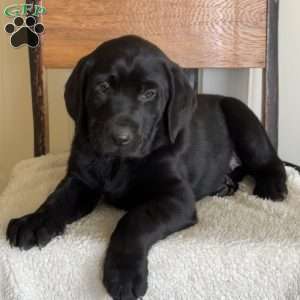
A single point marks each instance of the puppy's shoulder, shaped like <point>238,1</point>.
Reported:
<point>208,104</point>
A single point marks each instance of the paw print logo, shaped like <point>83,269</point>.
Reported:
<point>24,31</point>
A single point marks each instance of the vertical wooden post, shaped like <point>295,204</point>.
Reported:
<point>270,108</point>
<point>39,104</point>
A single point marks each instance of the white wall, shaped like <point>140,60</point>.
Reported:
<point>232,82</point>
<point>289,79</point>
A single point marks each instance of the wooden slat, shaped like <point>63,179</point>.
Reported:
<point>194,33</point>
<point>270,111</point>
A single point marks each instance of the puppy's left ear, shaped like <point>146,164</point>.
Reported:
<point>181,101</point>
<point>75,90</point>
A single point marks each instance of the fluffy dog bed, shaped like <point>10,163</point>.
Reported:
<point>242,248</point>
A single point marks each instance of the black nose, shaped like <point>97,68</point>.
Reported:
<point>122,135</point>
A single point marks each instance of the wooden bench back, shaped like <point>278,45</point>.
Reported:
<point>194,33</point>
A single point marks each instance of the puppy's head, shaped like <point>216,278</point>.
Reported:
<point>121,94</point>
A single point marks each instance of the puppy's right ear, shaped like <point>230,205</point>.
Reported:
<point>75,90</point>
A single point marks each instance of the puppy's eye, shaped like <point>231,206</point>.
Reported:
<point>148,95</point>
<point>104,87</point>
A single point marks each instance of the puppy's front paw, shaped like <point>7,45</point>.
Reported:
<point>35,229</point>
<point>228,188</point>
<point>271,188</point>
<point>125,276</point>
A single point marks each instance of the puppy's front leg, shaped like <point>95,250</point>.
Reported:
<point>71,200</point>
<point>167,209</point>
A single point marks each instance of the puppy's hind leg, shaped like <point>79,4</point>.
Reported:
<point>255,150</point>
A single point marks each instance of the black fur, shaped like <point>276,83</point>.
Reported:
<point>151,146</point>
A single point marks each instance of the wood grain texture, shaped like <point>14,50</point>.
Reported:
<point>194,33</point>
<point>270,110</point>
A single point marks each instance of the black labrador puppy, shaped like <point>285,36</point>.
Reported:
<point>146,142</point>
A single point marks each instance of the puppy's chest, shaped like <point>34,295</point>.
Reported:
<point>117,177</point>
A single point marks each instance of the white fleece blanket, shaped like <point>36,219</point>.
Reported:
<point>242,248</point>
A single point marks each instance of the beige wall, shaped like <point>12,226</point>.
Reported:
<point>16,136</point>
